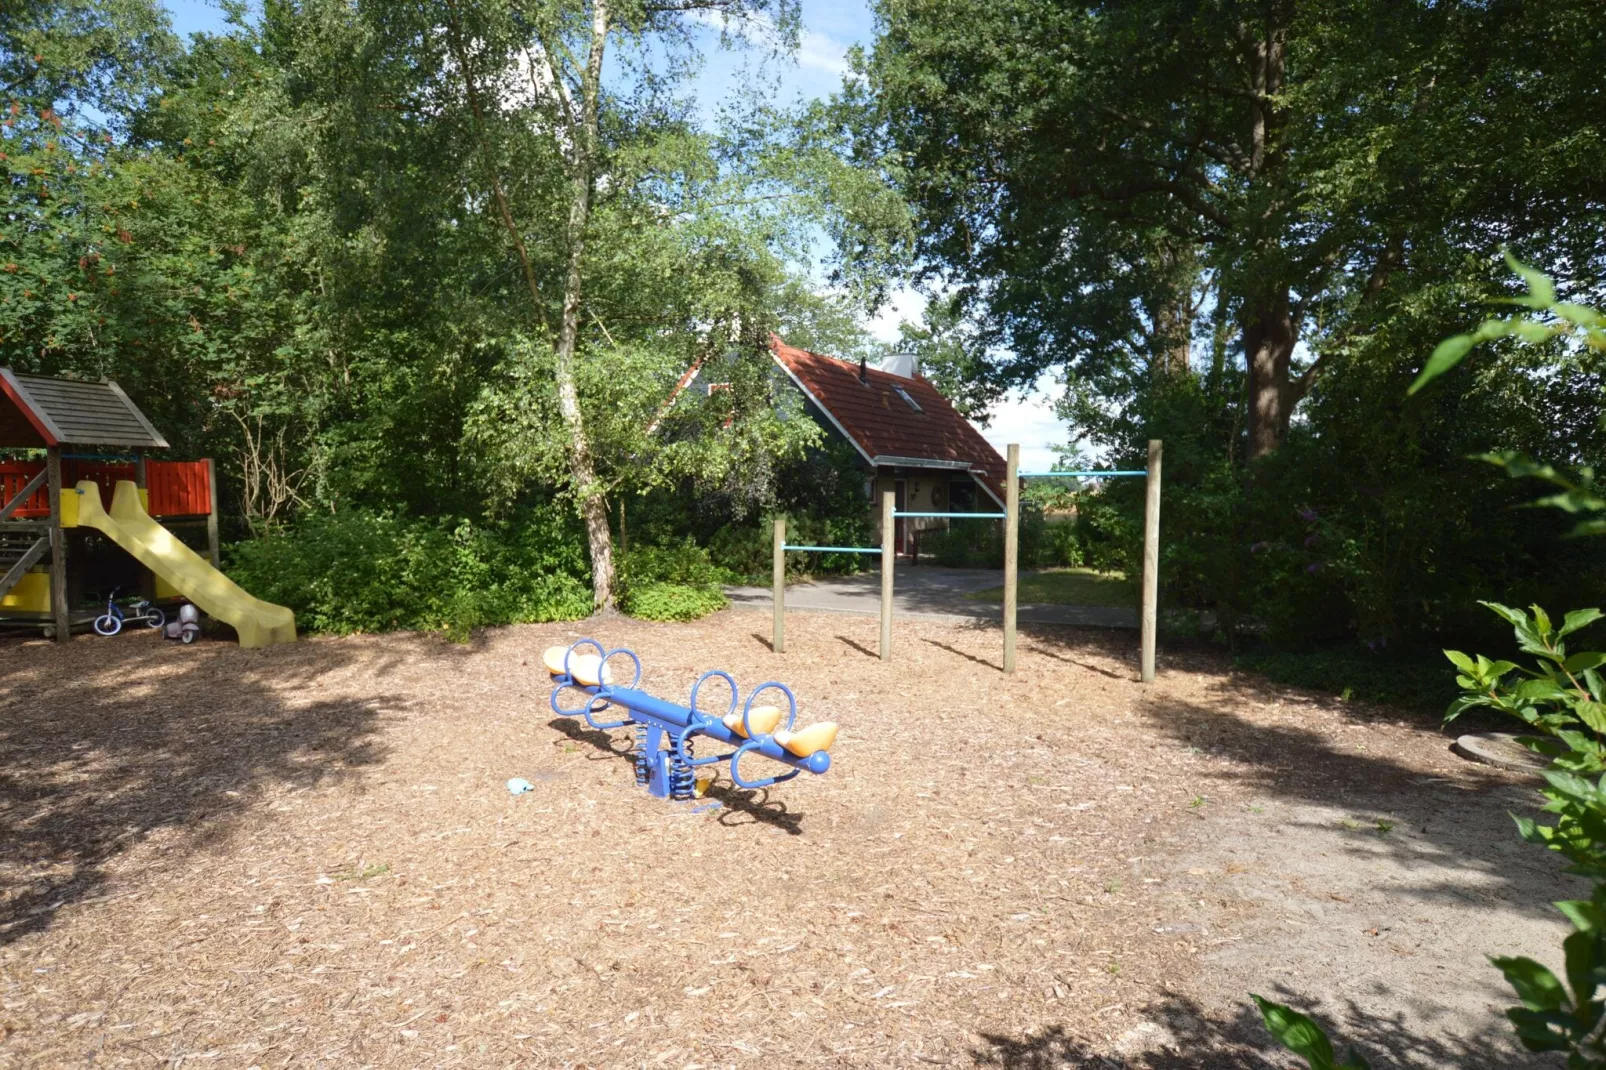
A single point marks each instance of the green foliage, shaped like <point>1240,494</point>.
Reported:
<point>1044,542</point>
<point>367,572</point>
<point>1408,677</point>
<point>1567,320</point>
<point>1562,700</point>
<point>672,601</point>
<point>674,581</point>
<point>1102,185</point>
<point>1304,1037</point>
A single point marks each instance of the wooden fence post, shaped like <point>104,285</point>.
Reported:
<point>1151,560</point>
<point>889,557</point>
<point>778,577</point>
<point>212,547</point>
<point>60,613</point>
<point>1011,554</point>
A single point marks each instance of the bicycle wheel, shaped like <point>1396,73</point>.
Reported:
<point>154,618</point>
<point>108,624</point>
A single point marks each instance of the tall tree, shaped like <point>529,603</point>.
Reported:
<point>560,47</point>
<point>1310,151</point>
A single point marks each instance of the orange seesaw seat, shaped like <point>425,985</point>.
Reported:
<point>584,666</point>
<point>762,718</point>
<point>807,741</point>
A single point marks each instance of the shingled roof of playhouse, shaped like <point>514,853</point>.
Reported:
<point>71,412</point>
<point>882,426</point>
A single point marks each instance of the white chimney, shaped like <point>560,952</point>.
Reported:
<point>905,365</point>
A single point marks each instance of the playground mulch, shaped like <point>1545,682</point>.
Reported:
<point>307,856</point>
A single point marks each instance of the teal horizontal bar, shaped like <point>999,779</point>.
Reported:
<point>1025,475</point>
<point>959,516</point>
<point>836,549</point>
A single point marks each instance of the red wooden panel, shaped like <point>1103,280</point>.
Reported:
<point>177,488</point>
<point>14,475</point>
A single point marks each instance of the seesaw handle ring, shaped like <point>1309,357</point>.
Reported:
<point>753,785</point>
<point>597,707</point>
<point>627,652</point>
<point>590,706</point>
<point>680,739</point>
<point>791,702</point>
<point>698,686</point>
<point>576,645</point>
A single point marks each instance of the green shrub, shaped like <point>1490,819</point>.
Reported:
<point>370,572</point>
<point>673,581</point>
<point>672,601</point>
<point>744,553</point>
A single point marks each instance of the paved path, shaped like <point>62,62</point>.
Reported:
<point>927,591</point>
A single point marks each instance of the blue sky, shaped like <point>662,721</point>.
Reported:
<point>830,28</point>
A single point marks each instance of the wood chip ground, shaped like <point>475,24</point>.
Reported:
<point>307,856</point>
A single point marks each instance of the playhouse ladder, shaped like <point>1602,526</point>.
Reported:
<point>21,548</point>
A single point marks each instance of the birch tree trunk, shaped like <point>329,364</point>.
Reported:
<point>582,468</point>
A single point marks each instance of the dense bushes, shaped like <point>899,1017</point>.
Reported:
<point>1045,542</point>
<point>360,571</point>
<point>673,581</point>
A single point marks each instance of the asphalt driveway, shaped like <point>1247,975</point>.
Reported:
<point>926,591</point>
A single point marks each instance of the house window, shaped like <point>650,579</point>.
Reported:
<point>907,400</point>
<point>962,497</point>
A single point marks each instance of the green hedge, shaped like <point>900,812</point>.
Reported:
<point>370,572</point>
<point>673,581</point>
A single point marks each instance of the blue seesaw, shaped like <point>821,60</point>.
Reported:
<point>666,762</point>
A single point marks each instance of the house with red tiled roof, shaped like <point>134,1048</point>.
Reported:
<point>908,437</point>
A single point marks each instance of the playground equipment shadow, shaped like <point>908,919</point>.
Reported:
<point>307,854</point>
<point>926,591</point>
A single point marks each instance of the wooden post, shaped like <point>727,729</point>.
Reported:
<point>58,550</point>
<point>139,470</point>
<point>211,516</point>
<point>1011,553</point>
<point>1151,560</point>
<point>889,557</point>
<point>778,578</point>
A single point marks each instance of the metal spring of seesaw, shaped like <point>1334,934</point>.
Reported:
<point>643,759</point>
<point>682,778</point>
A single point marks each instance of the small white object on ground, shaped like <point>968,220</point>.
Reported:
<point>518,786</point>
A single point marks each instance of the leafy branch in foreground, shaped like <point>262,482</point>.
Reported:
<point>1565,320</point>
<point>1562,699</point>
<point>1304,1037</point>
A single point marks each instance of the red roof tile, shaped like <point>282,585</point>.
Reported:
<point>882,424</point>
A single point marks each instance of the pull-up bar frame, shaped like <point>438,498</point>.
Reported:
<point>1148,610</point>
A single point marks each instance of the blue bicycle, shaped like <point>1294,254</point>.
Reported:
<point>111,622</point>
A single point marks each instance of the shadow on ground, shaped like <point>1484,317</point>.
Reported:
<point>1179,1037</point>
<point>91,766</point>
<point>1442,827</point>
<point>739,806</point>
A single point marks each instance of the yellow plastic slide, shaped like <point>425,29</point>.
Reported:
<point>258,623</point>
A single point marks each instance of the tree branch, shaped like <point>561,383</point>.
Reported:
<point>455,32</point>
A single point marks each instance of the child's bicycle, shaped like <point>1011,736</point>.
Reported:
<point>111,622</point>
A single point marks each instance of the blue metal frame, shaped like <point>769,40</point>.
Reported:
<point>665,731</point>
<point>957,516</point>
<point>1080,475</point>
<point>836,549</point>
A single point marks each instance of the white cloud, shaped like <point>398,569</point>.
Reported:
<point>903,304</point>
<point>817,52</point>
<point>1028,420</point>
